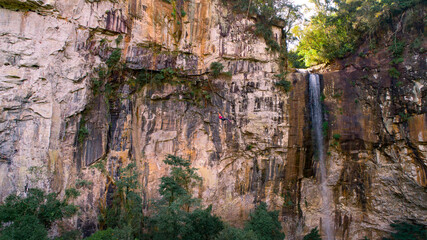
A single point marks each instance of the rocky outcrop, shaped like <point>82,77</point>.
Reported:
<point>376,125</point>
<point>55,125</point>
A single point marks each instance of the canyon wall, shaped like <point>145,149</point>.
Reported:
<point>55,127</point>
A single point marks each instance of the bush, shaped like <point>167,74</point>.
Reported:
<point>393,72</point>
<point>83,132</point>
<point>336,136</point>
<point>282,82</point>
<point>216,69</point>
<point>397,48</point>
<point>114,58</point>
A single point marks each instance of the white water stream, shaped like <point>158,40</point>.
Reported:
<point>316,116</point>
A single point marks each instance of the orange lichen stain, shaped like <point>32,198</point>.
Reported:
<point>421,176</point>
<point>418,128</point>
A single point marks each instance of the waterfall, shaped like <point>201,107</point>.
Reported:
<point>316,118</point>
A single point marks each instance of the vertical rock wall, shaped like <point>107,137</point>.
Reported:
<point>52,50</point>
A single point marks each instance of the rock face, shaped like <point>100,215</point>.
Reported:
<point>54,125</point>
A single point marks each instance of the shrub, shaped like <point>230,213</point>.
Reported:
<point>284,84</point>
<point>114,58</point>
<point>325,128</point>
<point>119,39</point>
<point>336,136</point>
<point>83,133</point>
<point>216,69</point>
<point>397,48</point>
<point>393,72</point>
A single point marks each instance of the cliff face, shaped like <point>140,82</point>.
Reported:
<point>54,126</point>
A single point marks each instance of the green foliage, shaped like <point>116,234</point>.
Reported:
<point>173,218</point>
<point>114,58</point>
<point>313,235</point>
<point>216,68</point>
<point>201,224</point>
<point>96,86</point>
<point>70,235</point>
<point>282,82</point>
<point>112,234</point>
<point>416,45</point>
<point>338,29</point>
<point>119,39</point>
<point>393,72</point>
<point>404,117</point>
<point>249,147</point>
<point>231,233</point>
<point>267,13</point>
<point>397,48</point>
<point>32,216</point>
<point>336,136</point>
<point>265,224</point>
<point>295,60</point>
<point>83,183</point>
<point>408,231</point>
<point>322,97</point>
<point>396,61</point>
<point>325,128</point>
<point>337,95</point>
<point>125,210</point>
<point>102,73</point>
<point>24,227</point>
<point>83,132</point>
<point>71,193</point>
<point>182,178</point>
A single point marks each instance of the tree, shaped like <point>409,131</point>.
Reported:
<point>408,231</point>
<point>339,28</point>
<point>313,235</point>
<point>174,206</point>
<point>265,224</point>
<point>232,233</point>
<point>124,211</point>
<point>202,225</point>
<point>32,216</point>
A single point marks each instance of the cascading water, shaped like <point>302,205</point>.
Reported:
<point>316,118</point>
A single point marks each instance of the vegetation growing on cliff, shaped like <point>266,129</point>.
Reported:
<point>32,216</point>
<point>340,26</point>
